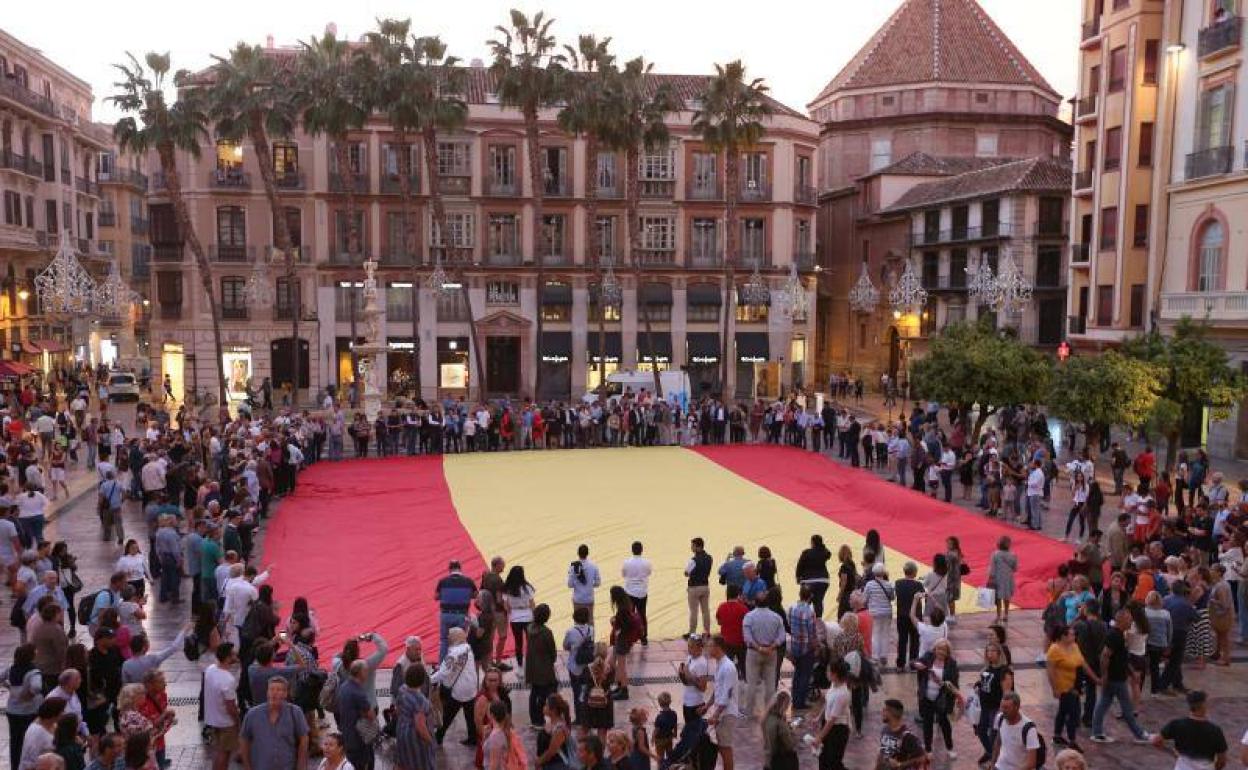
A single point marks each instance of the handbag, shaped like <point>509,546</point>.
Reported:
<point>369,730</point>
<point>986,598</point>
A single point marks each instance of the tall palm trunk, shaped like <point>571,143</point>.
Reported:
<point>634,247</point>
<point>539,204</point>
<point>169,165</point>
<point>347,174</point>
<point>429,137</point>
<point>409,247</point>
<point>281,236</point>
<point>595,248</point>
<point>730,258</point>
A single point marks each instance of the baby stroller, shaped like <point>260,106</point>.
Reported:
<point>694,751</point>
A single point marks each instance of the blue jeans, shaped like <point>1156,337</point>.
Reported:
<point>803,667</point>
<point>1241,593</point>
<point>32,530</point>
<point>447,621</point>
<point>170,577</point>
<point>1035,512</point>
<point>985,729</point>
<point>335,447</point>
<point>1111,690</point>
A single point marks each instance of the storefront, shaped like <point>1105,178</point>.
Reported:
<point>702,354</point>
<point>173,366</point>
<point>797,361</point>
<point>236,360</point>
<point>453,354</point>
<point>752,355</point>
<point>610,356</point>
<point>280,362</point>
<point>556,366</point>
<point>402,362</point>
<point>46,355</point>
<point>660,356</point>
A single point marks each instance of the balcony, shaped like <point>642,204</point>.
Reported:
<point>1080,253</point>
<point>705,260</point>
<point>1091,29</point>
<point>657,189</point>
<point>749,259</point>
<point>1083,180</point>
<point>230,178</point>
<point>86,186</point>
<point>1051,229</point>
<point>558,187</point>
<point>503,260</point>
<point>139,225</point>
<point>167,252</point>
<point>229,252</point>
<point>123,176</point>
<point>455,185</point>
<point>610,192</point>
<point>1085,107</point>
<point>805,260</point>
<point>400,257</point>
<point>656,257</point>
<point>67,178</point>
<point>961,234</point>
<point>12,90</point>
<point>392,184</point>
<point>1221,306</point>
<point>108,218</point>
<point>303,254</point>
<point>1210,162</point>
<point>556,259</point>
<point>754,191</point>
<point>506,188</point>
<point>159,182</point>
<point>21,163</point>
<point>170,312</point>
<point>1220,37</point>
<point>803,193</point>
<point>234,313</point>
<point>704,190</point>
<point>1076,324</point>
<point>338,184</point>
<point>955,281</point>
<point>47,240</point>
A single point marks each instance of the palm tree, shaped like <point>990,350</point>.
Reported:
<point>731,121</point>
<point>528,68</point>
<point>638,116</point>
<point>250,98</point>
<point>329,90</point>
<point>155,124</point>
<point>584,116</point>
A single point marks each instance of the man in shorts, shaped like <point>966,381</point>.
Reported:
<point>724,713</point>
<point>221,706</point>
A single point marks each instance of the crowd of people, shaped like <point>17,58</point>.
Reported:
<point>1151,594</point>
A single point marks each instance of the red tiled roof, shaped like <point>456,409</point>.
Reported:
<point>1031,175</point>
<point>930,41</point>
<point>922,164</point>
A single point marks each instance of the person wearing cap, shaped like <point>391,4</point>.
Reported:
<point>1198,743</point>
<point>454,595</point>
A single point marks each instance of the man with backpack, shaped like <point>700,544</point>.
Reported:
<point>899,747</point>
<point>111,496</point>
<point>578,642</point>
<point>92,605</point>
<point>1019,745</point>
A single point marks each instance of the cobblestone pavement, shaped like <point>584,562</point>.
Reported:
<point>655,668</point>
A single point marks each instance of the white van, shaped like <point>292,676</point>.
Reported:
<point>675,384</point>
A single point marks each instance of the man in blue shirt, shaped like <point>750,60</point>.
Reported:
<point>1182,616</point>
<point>454,595</point>
<point>751,585</point>
<point>583,578</point>
<point>732,571</point>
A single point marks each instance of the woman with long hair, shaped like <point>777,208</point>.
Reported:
<point>67,744</point>
<point>518,600</point>
<point>1079,506</point>
<point>995,680</point>
<point>556,743</point>
<point>134,564</point>
<point>847,579</point>
<point>625,632</point>
<point>1137,647</point>
<point>66,566</point>
<point>957,568</point>
<point>849,646</point>
<point>936,585</point>
<point>503,742</point>
<point>938,689</point>
<point>779,743</point>
<point>25,686</point>
<point>492,691</point>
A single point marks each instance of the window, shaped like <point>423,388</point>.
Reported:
<point>658,233</point>
<point>1213,119</point>
<point>49,156</point>
<point>608,174</point>
<point>285,159</point>
<point>452,306</point>
<point>1113,148</point>
<point>233,297</point>
<point>1117,69</point>
<point>1139,230</point>
<point>454,159</point>
<point>356,159</point>
<point>754,173</point>
<point>705,175</point>
<point>552,242</point>
<point>881,153</point>
<point>558,309</point>
<point>231,226</point>
<point>399,301</point>
<point>49,214</point>
<point>803,240</point>
<point>229,157</point>
<point>503,234</point>
<point>704,239</point>
<point>348,300</point>
<point>392,160</point>
<point>754,241</point>
<point>1137,305</point>
<point>658,165</point>
<point>1209,268</point>
<point>1109,228</point>
<point>608,313</point>
<point>503,169</point>
<point>702,312</point>
<point>342,232</point>
<point>30,217</point>
<point>460,226</point>
<point>931,228</point>
<point>287,296</point>
<point>985,145</point>
<point>604,231</point>
<point>1105,305</point>
<point>1146,144</point>
<point>396,235</point>
<point>555,170</point>
<point>751,313</point>
<point>804,168</point>
<point>294,225</point>
<point>957,268</point>
<point>888,101</point>
<point>990,217</point>
<point>12,208</point>
<point>169,289</point>
<point>981,97</point>
<point>106,164</point>
<point>502,293</point>
<point>1151,48</point>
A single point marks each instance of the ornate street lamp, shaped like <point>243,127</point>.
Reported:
<point>610,292</point>
<point>258,289</point>
<point>1013,288</point>
<point>981,284</point>
<point>113,297</point>
<point>908,293</point>
<point>792,298</point>
<point>754,292</point>
<point>864,297</point>
<point>65,287</point>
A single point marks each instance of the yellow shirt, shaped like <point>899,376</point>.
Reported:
<point>1064,665</point>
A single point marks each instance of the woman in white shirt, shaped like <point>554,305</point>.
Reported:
<point>1079,506</point>
<point>134,564</point>
<point>518,599</point>
<point>31,506</point>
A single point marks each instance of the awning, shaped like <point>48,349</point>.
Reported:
<point>753,347</point>
<point>452,345</point>
<point>557,294</point>
<point>655,294</point>
<point>662,347</point>
<point>11,370</point>
<point>704,294</point>
<point>703,348</point>
<point>556,347</point>
<point>614,346</point>
<point>36,347</point>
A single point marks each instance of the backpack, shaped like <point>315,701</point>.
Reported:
<point>328,697</point>
<point>583,653</point>
<point>190,646</point>
<point>87,604</point>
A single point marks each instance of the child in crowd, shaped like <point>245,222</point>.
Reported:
<point>664,726</point>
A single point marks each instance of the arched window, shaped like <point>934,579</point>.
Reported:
<point>1209,267</point>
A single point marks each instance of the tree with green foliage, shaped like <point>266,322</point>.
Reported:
<point>1101,391</point>
<point>1193,372</point>
<point>971,363</point>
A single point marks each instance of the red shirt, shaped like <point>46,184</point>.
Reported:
<point>731,616</point>
<point>154,708</point>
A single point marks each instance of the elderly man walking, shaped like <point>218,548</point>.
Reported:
<point>274,735</point>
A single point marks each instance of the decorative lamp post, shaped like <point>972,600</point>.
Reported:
<point>1013,288</point>
<point>981,284</point>
<point>65,288</point>
<point>864,297</point>
<point>908,294</point>
<point>754,292</point>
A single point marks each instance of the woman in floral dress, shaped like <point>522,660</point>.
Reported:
<point>414,738</point>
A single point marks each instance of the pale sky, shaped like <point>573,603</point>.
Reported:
<point>795,45</point>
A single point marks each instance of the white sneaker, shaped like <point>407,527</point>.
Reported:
<point>1145,739</point>
<point>951,754</point>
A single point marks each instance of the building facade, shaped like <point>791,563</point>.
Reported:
<point>124,226</point>
<point>1115,114</point>
<point>939,79</point>
<point>48,149</point>
<point>678,275</point>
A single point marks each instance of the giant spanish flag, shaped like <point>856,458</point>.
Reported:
<point>366,541</point>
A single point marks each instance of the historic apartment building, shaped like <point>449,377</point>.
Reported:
<point>490,212</point>
<point>124,228</point>
<point>48,148</point>
<point>1115,113</point>
<point>941,80</point>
